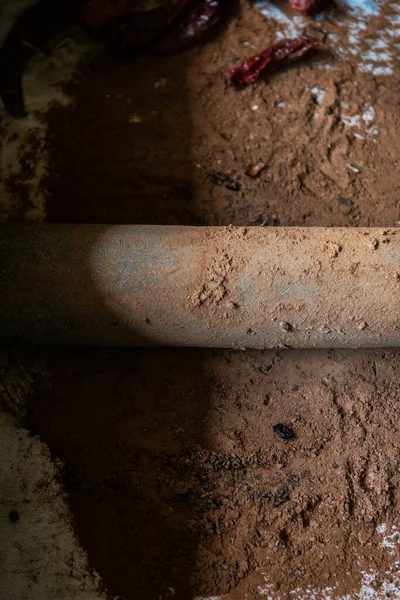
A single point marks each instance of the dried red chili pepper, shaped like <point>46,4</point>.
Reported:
<point>272,58</point>
<point>306,7</point>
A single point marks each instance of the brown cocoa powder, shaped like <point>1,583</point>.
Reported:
<point>177,484</point>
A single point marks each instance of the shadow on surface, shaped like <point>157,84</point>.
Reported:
<point>124,423</point>
<point>122,155</point>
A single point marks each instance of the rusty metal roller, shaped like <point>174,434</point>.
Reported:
<point>229,287</point>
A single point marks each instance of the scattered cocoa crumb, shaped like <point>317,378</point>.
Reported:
<point>230,182</point>
<point>346,201</point>
<point>284,432</point>
<point>285,326</point>
<point>255,170</point>
<point>234,186</point>
<point>13,515</point>
<point>333,249</point>
<point>374,243</point>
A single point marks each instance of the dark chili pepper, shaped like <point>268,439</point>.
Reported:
<point>284,432</point>
<point>272,58</point>
<point>306,7</point>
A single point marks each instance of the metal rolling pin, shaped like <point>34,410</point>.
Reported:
<point>229,287</point>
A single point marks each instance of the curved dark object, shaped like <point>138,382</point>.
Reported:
<point>174,25</point>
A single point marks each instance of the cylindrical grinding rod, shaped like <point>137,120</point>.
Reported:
<point>229,287</point>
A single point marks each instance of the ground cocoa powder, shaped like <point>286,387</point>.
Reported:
<point>177,483</point>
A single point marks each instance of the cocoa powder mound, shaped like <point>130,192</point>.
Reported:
<point>176,479</point>
<point>177,483</point>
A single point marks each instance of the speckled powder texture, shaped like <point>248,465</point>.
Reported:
<point>177,485</point>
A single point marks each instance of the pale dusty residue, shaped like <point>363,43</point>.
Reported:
<point>39,555</point>
<point>374,586</point>
<point>24,140</point>
<point>363,124</point>
<point>354,19</point>
<point>377,54</point>
<point>388,584</point>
